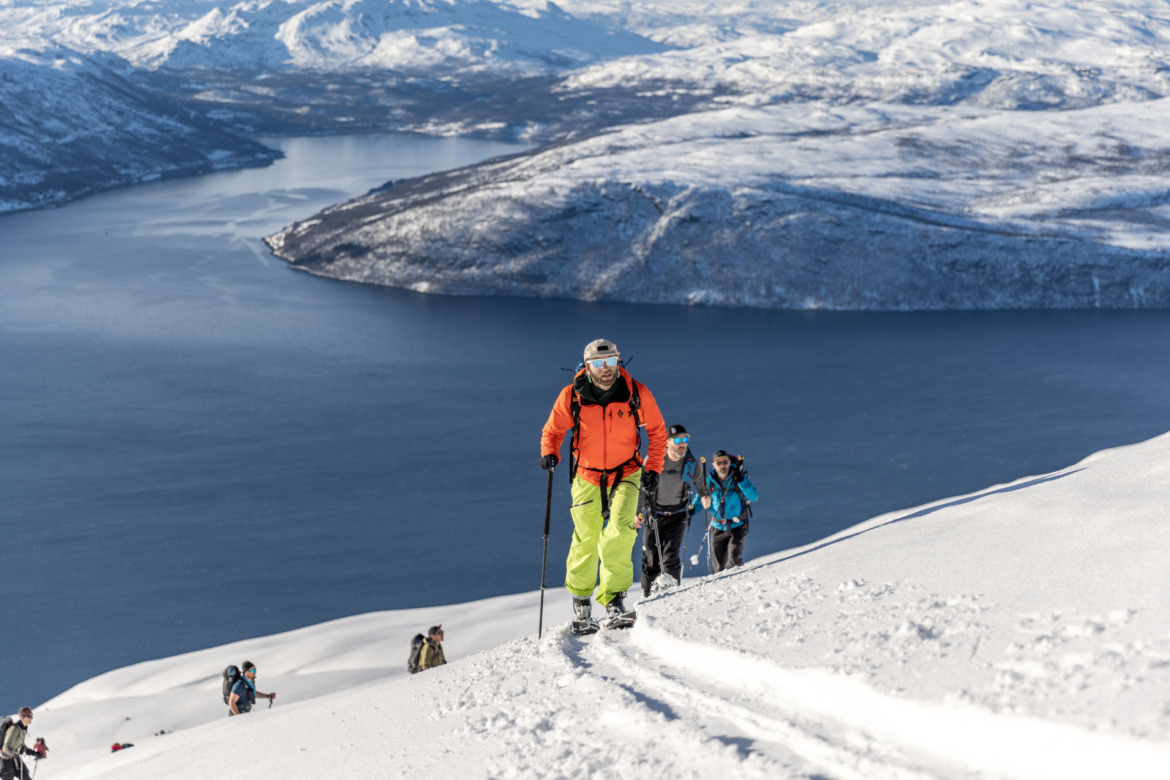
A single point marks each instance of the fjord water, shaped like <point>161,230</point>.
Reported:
<point>199,445</point>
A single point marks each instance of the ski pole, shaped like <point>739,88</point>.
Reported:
<point>544,560</point>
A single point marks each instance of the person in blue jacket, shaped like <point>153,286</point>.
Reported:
<point>728,501</point>
<point>244,693</point>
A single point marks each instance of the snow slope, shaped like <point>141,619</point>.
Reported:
<point>1018,632</point>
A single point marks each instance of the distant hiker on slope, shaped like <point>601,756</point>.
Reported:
<point>668,510</point>
<point>432,654</point>
<point>729,502</point>
<point>12,747</point>
<point>244,693</point>
<point>604,409</point>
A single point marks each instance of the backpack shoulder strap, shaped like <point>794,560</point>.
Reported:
<point>575,410</point>
<point>636,403</point>
<point>635,407</point>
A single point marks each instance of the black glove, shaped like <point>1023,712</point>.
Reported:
<point>41,754</point>
<point>742,474</point>
<point>650,483</point>
<point>550,461</point>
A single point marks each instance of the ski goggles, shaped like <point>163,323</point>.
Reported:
<point>599,362</point>
<point>680,439</point>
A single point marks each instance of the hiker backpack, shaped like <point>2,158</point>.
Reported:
<point>416,646</point>
<point>231,676</point>
<point>4,726</point>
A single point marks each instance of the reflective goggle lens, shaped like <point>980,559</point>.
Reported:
<point>599,362</point>
<point>681,439</point>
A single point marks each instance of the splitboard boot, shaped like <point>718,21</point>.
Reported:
<point>616,615</point>
<point>583,622</point>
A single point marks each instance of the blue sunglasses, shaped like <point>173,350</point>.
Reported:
<point>599,362</point>
<point>680,439</point>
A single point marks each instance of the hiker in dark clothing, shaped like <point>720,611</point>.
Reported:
<point>432,650</point>
<point>13,766</point>
<point>729,502</point>
<point>244,693</point>
<point>668,510</point>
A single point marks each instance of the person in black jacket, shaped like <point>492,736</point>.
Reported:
<point>668,509</point>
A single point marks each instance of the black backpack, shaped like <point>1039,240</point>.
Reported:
<point>416,646</point>
<point>5,724</point>
<point>231,676</point>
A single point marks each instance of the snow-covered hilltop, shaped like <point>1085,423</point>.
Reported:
<point>1017,632</point>
<point>866,156</point>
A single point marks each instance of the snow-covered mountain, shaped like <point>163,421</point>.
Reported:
<point>880,155</point>
<point>432,38</point>
<point>192,76</point>
<point>852,154</point>
<point>1018,632</point>
<point>73,124</point>
<point>878,206</point>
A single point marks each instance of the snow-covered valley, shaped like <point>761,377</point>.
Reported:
<point>1017,632</point>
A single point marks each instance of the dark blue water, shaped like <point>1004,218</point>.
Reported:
<point>198,445</point>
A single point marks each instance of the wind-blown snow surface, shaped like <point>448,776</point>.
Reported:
<point>1018,632</point>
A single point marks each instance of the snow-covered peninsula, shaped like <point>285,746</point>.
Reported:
<point>856,156</point>
<point>1017,632</point>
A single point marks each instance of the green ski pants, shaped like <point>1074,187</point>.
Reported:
<point>612,545</point>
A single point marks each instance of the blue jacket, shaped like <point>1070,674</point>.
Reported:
<point>727,506</point>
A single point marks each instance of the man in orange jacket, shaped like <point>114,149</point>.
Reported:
<point>604,408</point>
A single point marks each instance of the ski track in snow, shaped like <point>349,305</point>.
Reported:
<point>715,709</point>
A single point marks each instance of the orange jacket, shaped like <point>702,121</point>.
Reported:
<point>608,438</point>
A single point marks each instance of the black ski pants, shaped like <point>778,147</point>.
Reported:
<point>727,547</point>
<point>10,770</point>
<point>671,528</point>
